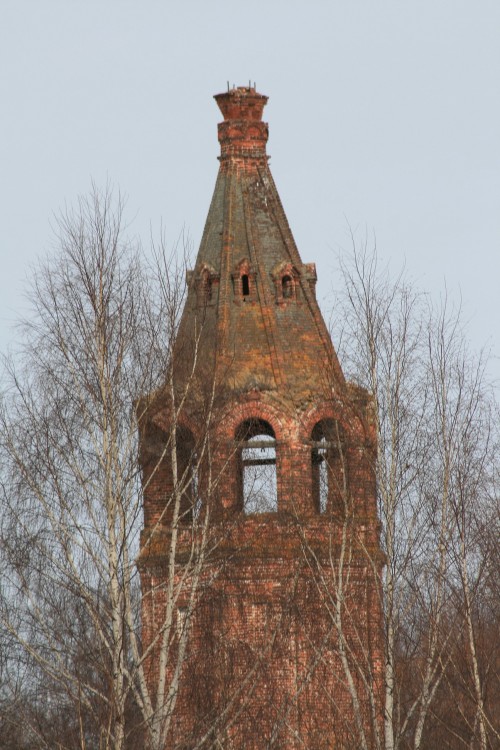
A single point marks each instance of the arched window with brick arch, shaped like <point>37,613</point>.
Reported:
<point>244,282</point>
<point>257,481</point>
<point>206,282</point>
<point>171,488</point>
<point>287,282</point>
<point>329,475</point>
<point>187,474</point>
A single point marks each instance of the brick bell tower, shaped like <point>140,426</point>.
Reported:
<point>260,551</point>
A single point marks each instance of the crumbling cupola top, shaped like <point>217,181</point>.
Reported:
<point>242,135</point>
<point>241,103</point>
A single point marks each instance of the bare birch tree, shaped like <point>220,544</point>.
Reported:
<point>467,444</point>
<point>99,338</point>
<point>431,402</point>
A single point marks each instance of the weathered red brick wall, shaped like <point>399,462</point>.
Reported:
<point>264,666</point>
<point>264,648</point>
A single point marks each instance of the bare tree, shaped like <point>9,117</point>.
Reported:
<point>434,429</point>
<point>99,339</point>
<point>350,636</point>
<point>469,433</point>
<point>94,355</point>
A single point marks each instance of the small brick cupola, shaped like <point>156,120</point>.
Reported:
<point>288,449</point>
<point>242,135</point>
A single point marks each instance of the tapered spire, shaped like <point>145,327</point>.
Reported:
<point>263,329</point>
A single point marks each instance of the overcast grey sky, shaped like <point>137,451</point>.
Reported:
<point>384,115</point>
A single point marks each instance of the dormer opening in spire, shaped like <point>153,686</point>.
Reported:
<point>206,283</point>
<point>287,287</point>
<point>244,286</point>
<point>286,281</point>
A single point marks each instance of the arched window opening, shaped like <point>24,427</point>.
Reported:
<point>320,475</point>
<point>287,287</point>
<point>257,463</point>
<point>328,467</point>
<point>187,487</point>
<point>244,282</point>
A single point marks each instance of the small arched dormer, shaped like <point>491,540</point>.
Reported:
<point>245,285</point>
<point>329,467</point>
<point>287,287</point>
<point>244,282</point>
<point>257,481</point>
<point>286,281</point>
<point>206,282</point>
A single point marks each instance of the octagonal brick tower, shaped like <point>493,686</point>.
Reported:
<point>258,462</point>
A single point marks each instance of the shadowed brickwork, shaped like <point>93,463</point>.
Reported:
<point>269,454</point>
